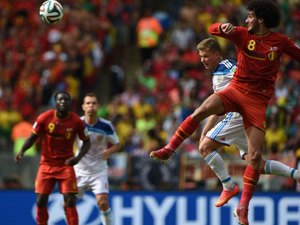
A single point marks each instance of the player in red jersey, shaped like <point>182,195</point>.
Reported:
<point>58,129</point>
<point>258,52</point>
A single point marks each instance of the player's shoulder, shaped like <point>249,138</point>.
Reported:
<point>105,125</point>
<point>224,67</point>
<point>47,114</point>
<point>74,117</point>
<point>283,39</point>
<point>105,121</point>
<point>73,114</point>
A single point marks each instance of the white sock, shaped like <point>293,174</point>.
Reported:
<point>106,217</point>
<point>216,163</point>
<point>280,169</point>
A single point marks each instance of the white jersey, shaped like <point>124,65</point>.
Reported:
<point>102,134</point>
<point>223,74</point>
<point>231,129</point>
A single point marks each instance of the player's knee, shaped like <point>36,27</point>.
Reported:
<point>255,157</point>
<point>204,150</point>
<point>70,200</point>
<point>42,200</point>
<point>103,204</point>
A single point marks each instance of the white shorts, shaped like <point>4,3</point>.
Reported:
<point>97,183</point>
<point>230,131</point>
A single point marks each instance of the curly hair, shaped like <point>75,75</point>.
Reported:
<point>61,92</point>
<point>267,10</point>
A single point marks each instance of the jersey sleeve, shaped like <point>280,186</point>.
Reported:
<point>235,36</point>
<point>113,137</point>
<point>291,49</point>
<point>38,127</point>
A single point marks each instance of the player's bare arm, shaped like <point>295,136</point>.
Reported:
<point>83,150</point>
<point>108,152</point>
<point>28,143</point>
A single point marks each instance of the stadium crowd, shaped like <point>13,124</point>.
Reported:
<point>145,104</point>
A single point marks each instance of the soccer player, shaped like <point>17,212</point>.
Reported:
<point>58,129</point>
<point>228,131</point>
<point>259,50</point>
<point>92,170</point>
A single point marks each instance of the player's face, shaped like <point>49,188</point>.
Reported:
<point>63,102</point>
<point>252,22</point>
<point>90,106</point>
<point>209,59</point>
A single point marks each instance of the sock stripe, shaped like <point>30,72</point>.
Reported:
<point>179,135</point>
<point>292,173</point>
<point>268,167</point>
<point>250,179</point>
<point>226,180</point>
<point>183,132</point>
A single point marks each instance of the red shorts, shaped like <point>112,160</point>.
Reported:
<point>251,106</point>
<point>47,177</point>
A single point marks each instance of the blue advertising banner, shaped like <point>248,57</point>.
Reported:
<point>156,208</point>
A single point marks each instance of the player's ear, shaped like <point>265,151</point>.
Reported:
<point>260,21</point>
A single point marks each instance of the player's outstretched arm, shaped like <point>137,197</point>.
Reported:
<point>27,144</point>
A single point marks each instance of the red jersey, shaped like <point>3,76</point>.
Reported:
<point>258,58</point>
<point>58,136</point>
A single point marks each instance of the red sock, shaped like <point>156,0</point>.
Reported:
<point>251,177</point>
<point>186,129</point>
<point>42,215</point>
<point>72,216</point>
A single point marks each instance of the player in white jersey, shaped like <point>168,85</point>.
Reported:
<point>229,130</point>
<point>92,171</point>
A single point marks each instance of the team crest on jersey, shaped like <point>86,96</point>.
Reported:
<point>68,133</point>
<point>272,56</point>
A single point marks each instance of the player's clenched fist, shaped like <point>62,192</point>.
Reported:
<point>227,28</point>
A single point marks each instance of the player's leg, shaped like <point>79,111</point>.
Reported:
<point>100,188</point>
<point>217,164</point>
<point>43,186</point>
<point>41,209</point>
<point>255,145</point>
<point>70,208</point>
<point>212,105</point>
<point>68,187</point>
<point>228,131</point>
<point>105,210</point>
<point>277,168</point>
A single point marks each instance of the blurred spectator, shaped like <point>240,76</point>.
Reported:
<point>275,136</point>
<point>148,31</point>
<point>20,132</point>
<point>182,35</point>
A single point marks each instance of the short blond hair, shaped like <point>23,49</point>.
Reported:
<point>210,44</point>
